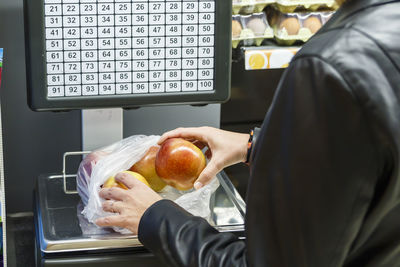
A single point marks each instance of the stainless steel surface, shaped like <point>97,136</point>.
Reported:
<point>101,127</point>
<point>157,120</point>
<point>58,220</point>
<point>64,172</point>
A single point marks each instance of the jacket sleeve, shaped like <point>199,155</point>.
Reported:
<point>313,170</point>
<point>181,239</point>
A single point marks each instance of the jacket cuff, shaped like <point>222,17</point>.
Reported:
<point>151,224</point>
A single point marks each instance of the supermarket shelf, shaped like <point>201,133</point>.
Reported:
<point>268,57</point>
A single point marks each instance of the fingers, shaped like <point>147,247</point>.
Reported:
<point>113,193</point>
<point>127,179</point>
<point>112,206</point>
<point>186,133</point>
<point>116,220</point>
<point>211,170</point>
<point>199,144</point>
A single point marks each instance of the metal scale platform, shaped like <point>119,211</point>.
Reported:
<point>61,237</point>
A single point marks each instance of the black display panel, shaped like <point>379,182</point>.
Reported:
<point>127,53</point>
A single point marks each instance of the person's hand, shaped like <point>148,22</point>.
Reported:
<point>224,148</point>
<point>129,205</point>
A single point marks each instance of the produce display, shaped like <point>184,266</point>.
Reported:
<point>250,29</point>
<point>176,162</point>
<point>289,6</point>
<point>257,22</point>
<point>249,6</point>
<point>293,27</point>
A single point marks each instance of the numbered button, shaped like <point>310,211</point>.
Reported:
<point>173,75</point>
<point>140,76</point>
<point>124,77</point>
<point>107,66</point>
<point>72,79</point>
<point>72,56</point>
<point>190,7</point>
<point>206,74</point>
<point>73,90</point>
<point>207,6</point>
<point>124,66</point>
<point>72,44</point>
<point>89,67</point>
<point>72,67</point>
<point>107,78</point>
<point>123,8</point>
<point>189,86</point>
<point>205,63</point>
<point>141,8</point>
<point>54,33</point>
<point>140,88</point>
<point>206,51</point>
<point>173,86</point>
<point>71,21</point>
<point>90,78</point>
<point>189,74</point>
<point>55,56</point>
<point>90,89</point>
<point>53,22</point>
<point>173,7</point>
<point>55,79</point>
<point>88,9</point>
<point>158,7</point>
<point>52,10</point>
<point>55,68</point>
<point>89,55</point>
<point>54,45</point>
<point>107,89</point>
<point>125,88</point>
<point>55,91</point>
<point>206,29</point>
<point>207,85</point>
<point>157,87</point>
<point>206,17</point>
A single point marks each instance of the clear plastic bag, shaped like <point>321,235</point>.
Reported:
<point>98,166</point>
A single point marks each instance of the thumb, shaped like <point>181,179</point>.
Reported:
<point>209,172</point>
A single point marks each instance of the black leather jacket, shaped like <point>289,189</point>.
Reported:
<point>325,172</point>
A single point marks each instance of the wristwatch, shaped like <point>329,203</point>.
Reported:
<point>251,143</point>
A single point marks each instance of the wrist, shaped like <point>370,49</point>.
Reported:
<point>244,147</point>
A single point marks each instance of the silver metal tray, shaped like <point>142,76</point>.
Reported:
<point>58,223</point>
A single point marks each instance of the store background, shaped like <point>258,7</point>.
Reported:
<point>35,142</point>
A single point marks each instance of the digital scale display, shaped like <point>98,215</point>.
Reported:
<point>90,53</point>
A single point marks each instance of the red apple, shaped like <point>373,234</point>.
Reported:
<point>179,163</point>
<point>146,167</point>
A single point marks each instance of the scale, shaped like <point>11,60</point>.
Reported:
<point>107,56</point>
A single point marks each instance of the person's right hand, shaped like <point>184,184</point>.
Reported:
<point>224,148</point>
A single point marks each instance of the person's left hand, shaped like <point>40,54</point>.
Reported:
<point>129,205</point>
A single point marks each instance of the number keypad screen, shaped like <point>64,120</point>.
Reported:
<point>116,47</point>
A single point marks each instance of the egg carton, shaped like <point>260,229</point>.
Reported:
<point>290,28</point>
<point>289,6</point>
<point>250,29</point>
<point>250,6</point>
